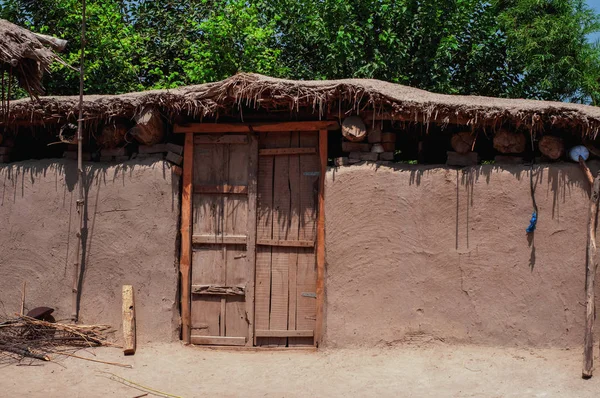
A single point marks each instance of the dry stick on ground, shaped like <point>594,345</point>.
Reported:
<point>591,265</point>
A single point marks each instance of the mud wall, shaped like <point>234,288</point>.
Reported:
<point>417,254</point>
<point>132,212</point>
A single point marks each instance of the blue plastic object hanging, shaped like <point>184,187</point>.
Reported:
<point>532,223</point>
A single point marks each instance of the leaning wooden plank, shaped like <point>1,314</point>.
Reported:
<point>218,340</point>
<point>129,335</point>
<point>221,139</point>
<point>286,151</point>
<point>285,243</point>
<point>219,290</point>
<point>219,239</point>
<point>285,127</point>
<point>284,333</point>
<point>223,188</point>
<point>591,265</point>
<point>186,236</point>
<point>321,238</point>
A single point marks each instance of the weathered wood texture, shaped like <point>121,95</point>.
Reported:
<point>463,142</point>
<point>129,334</point>
<point>551,147</point>
<point>258,127</point>
<point>285,259</point>
<point>321,238</point>
<point>186,237</point>
<point>590,276</point>
<point>219,290</point>
<point>507,141</point>
<point>223,228</point>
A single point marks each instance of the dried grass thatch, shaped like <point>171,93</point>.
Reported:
<point>23,54</point>
<point>372,99</point>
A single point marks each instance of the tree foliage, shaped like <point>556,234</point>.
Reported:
<point>512,48</point>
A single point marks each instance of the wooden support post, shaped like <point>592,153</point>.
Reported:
<point>591,265</point>
<point>186,236</point>
<point>129,334</point>
<point>321,238</point>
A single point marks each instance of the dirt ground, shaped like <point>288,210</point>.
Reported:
<point>431,370</point>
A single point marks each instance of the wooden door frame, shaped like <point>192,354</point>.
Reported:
<point>185,260</point>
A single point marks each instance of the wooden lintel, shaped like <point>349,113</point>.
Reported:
<point>221,139</point>
<point>216,189</point>
<point>219,239</point>
<point>218,340</point>
<point>219,290</point>
<point>285,243</point>
<point>286,151</point>
<point>265,127</point>
<point>284,333</point>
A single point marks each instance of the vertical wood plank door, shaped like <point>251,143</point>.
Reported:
<point>223,239</point>
<point>286,274</point>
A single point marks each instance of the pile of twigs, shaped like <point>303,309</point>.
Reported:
<point>24,337</point>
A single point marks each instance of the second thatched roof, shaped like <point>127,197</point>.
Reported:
<point>324,99</point>
<point>24,55</point>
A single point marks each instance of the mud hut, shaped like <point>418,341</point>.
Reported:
<point>242,215</point>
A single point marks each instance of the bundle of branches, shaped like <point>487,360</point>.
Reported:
<point>24,54</point>
<point>25,337</point>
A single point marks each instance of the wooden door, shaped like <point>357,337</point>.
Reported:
<point>223,236</point>
<point>252,233</point>
<point>286,272</point>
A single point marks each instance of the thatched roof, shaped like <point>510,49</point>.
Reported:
<point>325,99</point>
<point>23,54</point>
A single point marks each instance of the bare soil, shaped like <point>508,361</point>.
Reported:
<point>429,370</point>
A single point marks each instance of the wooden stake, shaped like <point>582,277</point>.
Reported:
<point>186,236</point>
<point>321,238</point>
<point>129,333</point>
<point>23,298</point>
<point>591,265</point>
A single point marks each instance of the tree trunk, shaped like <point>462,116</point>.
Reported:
<point>149,129</point>
<point>354,129</point>
<point>552,147</point>
<point>506,141</point>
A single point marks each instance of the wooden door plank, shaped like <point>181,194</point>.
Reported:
<point>321,238</point>
<point>236,319</point>
<point>262,127</point>
<point>251,233</point>
<point>285,243</point>
<point>286,151</point>
<point>208,268</point>
<point>281,228</point>
<point>218,340</point>
<point>294,179</point>
<point>221,139</point>
<point>208,170</point>
<point>219,239</point>
<point>239,290</point>
<point>264,230</point>
<point>284,333</point>
<point>306,271</point>
<point>185,261</point>
<point>222,188</point>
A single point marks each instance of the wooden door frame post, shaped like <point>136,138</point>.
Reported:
<point>321,238</point>
<point>185,260</point>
